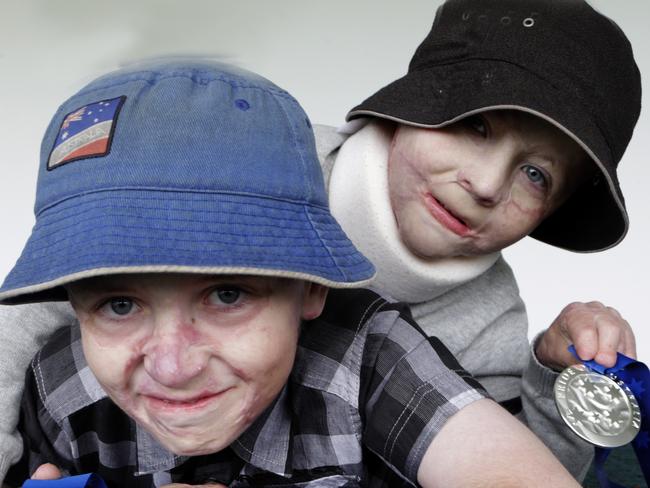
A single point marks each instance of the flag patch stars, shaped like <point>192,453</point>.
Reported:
<point>86,132</point>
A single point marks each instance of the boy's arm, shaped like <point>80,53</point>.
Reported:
<point>428,420</point>
<point>23,330</point>
<point>484,446</point>
<point>494,347</point>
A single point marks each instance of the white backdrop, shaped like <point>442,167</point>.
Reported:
<point>330,56</point>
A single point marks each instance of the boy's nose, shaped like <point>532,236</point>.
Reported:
<point>486,179</point>
<point>172,357</point>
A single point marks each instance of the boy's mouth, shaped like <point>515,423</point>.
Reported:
<point>445,216</point>
<point>196,402</point>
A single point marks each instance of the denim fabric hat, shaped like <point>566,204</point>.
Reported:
<point>181,167</point>
<point>557,59</point>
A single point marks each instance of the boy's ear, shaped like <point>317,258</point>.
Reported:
<point>313,300</point>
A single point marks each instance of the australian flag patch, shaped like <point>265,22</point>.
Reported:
<point>86,132</point>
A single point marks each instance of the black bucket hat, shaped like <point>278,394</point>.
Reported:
<point>558,59</point>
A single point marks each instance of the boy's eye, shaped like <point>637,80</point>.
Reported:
<point>119,306</point>
<point>535,175</point>
<point>477,124</point>
<point>225,296</point>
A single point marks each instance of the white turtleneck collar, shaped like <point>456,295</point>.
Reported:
<point>359,200</point>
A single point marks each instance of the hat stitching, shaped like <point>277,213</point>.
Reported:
<point>271,236</point>
<point>75,218</point>
<point>216,210</point>
<point>176,190</point>
<point>315,229</point>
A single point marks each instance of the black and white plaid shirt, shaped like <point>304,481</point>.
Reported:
<point>367,394</point>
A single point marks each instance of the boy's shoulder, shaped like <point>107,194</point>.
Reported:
<point>366,367</point>
<point>352,307</point>
<point>61,376</point>
<point>357,324</point>
<point>353,312</point>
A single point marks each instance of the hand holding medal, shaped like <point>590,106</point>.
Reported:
<point>597,331</point>
<point>608,407</point>
<point>604,400</point>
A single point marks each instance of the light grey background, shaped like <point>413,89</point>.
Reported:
<point>330,56</point>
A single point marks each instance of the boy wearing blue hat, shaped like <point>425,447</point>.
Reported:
<point>181,209</point>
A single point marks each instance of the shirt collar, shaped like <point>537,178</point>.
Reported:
<point>266,444</point>
<point>152,456</point>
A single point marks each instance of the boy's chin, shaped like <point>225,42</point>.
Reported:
<point>207,436</point>
<point>189,446</point>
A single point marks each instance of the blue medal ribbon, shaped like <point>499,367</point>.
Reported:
<point>636,377</point>
<point>90,480</point>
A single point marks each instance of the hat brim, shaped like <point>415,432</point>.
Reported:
<point>594,218</point>
<point>147,231</point>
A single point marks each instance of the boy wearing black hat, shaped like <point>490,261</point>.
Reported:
<point>198,262</point>
<point>495,133</point>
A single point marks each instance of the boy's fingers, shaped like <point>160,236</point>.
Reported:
<point>612,334</point>
<point>627,344</point>
<point>579,328</point>
<point>46,471</point>
<point>610,340</point>
<point>597,332</point>
<point>585,340</point>
<point>630,344</point>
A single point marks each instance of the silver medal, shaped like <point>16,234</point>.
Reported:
<point>599,408</point>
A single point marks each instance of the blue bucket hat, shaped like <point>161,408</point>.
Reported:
<point>181,167</point>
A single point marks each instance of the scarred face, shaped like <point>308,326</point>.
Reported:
<point>194,359</point>
<point>480,184</point>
